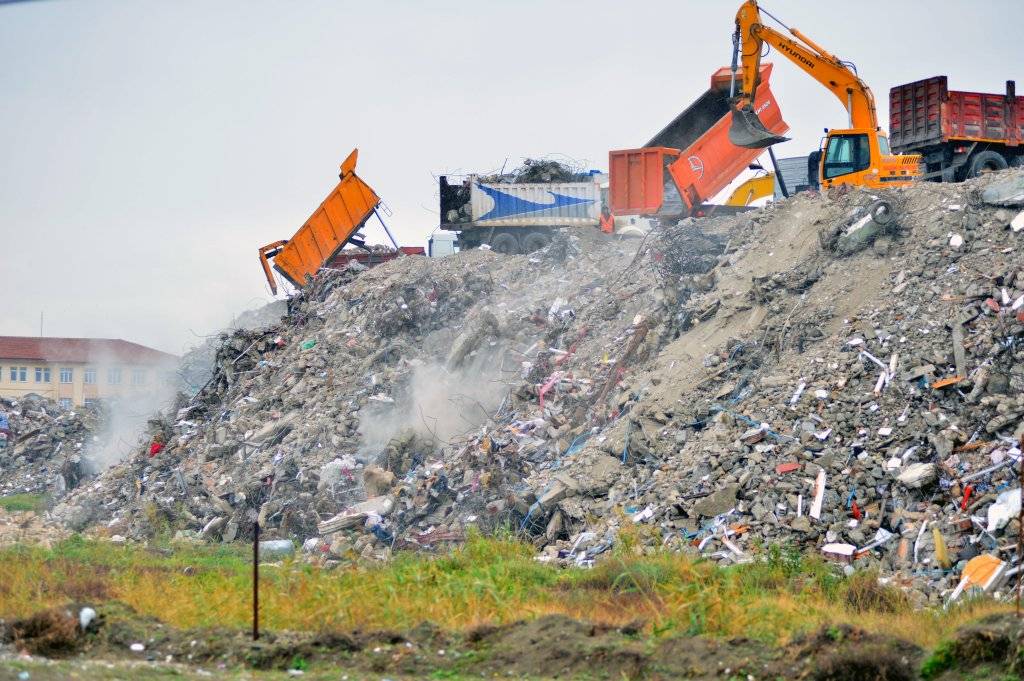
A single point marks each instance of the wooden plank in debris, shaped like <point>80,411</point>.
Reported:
<point>946,382</point>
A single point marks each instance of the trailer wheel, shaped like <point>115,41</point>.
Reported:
<point>985,162</point>
<point>506,243</point>
<point>534,241</point>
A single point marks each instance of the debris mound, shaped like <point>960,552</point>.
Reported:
<point>43,447</point>
<point>841,372</point>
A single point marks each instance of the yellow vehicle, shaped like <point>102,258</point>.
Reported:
<point>753,189</point>
<point>857,155</point>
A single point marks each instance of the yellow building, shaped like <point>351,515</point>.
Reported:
<point>77,371</point>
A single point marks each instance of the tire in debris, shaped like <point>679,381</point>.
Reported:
<point>985,162</point>
<point>506,243</point>
<point>535,241</point>
<point>882,213</point>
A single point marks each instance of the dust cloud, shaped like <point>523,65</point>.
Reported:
<point>437,402</point>
<point>124,417</point>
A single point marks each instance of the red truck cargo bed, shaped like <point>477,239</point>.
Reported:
<point>927,112</point>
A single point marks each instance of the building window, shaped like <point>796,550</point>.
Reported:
<point>42,374</point>
<point>138,377</point>
<point>90,376</point>
<point>90,403</point>
<point>22,374</point>
<point>67,374</point>
<point>65,402</point>
<point>114,376</point>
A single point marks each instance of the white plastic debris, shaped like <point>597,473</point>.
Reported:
<point>1017,223</point>
<point>86,617</point>
<point>136,647</point>
<point>819,495</point>
<point>797,393</point>
<point>1006,506</point>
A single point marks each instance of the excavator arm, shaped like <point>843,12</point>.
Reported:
<point>826,68</point>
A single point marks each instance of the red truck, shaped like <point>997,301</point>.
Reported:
<point>958,134</point>
<point>692,159</point>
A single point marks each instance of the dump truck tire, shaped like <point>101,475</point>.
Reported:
<point>506,243</point>
<point>985,162</point>
<point>535,241</point>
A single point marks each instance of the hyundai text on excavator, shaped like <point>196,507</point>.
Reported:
<point>857,155</point>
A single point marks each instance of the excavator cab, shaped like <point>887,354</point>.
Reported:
<point>862,157</point>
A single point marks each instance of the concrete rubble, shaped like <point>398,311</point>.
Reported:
<point>836,372</point>
<point>45,451</point>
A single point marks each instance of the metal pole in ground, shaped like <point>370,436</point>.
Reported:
<point>256,581</point>
<point>1020,529</point>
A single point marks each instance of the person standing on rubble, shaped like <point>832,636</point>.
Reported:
<point>607,220</point>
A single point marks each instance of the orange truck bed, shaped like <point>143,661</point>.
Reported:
<point>341,215</point>
<point>692,159</point>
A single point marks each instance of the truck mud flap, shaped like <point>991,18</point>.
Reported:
<point>748,131</point>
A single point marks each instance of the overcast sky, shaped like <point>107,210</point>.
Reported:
<point>147,149</point>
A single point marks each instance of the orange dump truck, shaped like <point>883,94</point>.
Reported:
<point>334,225</point>
<point>692,159</point>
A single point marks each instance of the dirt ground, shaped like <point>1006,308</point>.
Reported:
<point>48,646</point>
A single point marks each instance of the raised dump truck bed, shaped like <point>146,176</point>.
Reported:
<point>691,159</point>
<point>332,226</point>
<point>959,134</point>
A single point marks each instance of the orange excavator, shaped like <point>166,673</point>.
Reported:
<point>857,155</point>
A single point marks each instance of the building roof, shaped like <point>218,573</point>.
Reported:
<point>80,350</point>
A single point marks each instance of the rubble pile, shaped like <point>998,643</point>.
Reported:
<point>839,372</point>
<point>535,170</point>
<point>862,399</point>
<point>43,447</point>
<point>347,423</point>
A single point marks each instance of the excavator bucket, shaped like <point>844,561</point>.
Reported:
<point>748,131</point>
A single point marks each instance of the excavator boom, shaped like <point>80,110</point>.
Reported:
<point>834,74</point>
<point>858,155</point>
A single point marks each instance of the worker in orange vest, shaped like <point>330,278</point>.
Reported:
<point>607,220</point>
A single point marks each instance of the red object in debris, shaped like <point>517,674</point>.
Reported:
<point>993,305</point>
<point>855,511</point>
<point>1020,316</point>
<point>155,448</point>
<point>784,468</point>
<point>547,386</point>
<point>967,497</point>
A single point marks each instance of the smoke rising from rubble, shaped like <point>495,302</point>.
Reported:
<point>439,403</point>
<point>124,418</point>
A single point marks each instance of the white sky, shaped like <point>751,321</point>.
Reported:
<point>147,149</point>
